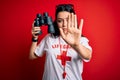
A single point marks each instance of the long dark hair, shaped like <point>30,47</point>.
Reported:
<point>59,8</point>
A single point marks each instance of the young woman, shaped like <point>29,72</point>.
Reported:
<point>66,49</point>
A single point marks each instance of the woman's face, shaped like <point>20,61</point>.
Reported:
<point>62,20</point>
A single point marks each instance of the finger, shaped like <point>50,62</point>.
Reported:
<point>36,29</point>
<point>75,21</point>
<point>81,25</point>
<point>68,24</point>
<point>34,35</point>
<point>62,33</point>
<point>72,20</point>
<point>35,32</point>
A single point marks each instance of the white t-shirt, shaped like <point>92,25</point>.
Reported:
<point>54,69</point>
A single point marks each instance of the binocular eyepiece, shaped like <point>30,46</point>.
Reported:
<point>44,20</point>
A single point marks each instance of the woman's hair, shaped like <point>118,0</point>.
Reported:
<point>60,8</point>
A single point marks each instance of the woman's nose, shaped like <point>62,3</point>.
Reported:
<point>64,23</point>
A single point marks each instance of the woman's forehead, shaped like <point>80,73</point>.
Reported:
<point>63,14</point>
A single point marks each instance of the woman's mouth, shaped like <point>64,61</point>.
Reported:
<point>65,30</point>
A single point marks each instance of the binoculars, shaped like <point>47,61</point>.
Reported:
<point>44,20</point>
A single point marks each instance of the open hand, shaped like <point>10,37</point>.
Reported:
<point>73,35</point>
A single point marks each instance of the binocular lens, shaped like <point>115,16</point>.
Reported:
<point>44,20</point>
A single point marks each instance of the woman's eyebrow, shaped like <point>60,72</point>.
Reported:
<point>62,18</point>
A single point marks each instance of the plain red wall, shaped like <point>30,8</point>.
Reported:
<point>101,26</point>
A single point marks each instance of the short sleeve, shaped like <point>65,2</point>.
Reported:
<point>85,42</point>
<point>41,47</point>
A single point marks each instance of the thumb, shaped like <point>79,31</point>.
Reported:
<point>62,33</point>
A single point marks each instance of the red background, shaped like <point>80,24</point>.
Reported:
<point>101,26</point>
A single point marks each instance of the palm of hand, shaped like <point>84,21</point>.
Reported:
<point>73,35</point>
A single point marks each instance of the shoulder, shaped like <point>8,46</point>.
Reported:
<point>85,42</point>
<point>49,37</point>
<point>84,39</point>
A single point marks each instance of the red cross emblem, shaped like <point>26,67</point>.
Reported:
<point>63,59</point>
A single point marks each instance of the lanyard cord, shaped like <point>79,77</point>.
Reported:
<point>63,57</point>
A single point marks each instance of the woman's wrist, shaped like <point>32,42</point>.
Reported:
<point>76,44</point>
<point>34,39</point>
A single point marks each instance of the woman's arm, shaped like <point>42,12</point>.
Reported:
<point>84,52</point>
<point>32,51</point>
<point>34,31</point>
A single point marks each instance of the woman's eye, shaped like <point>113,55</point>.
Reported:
<point>59,21</point>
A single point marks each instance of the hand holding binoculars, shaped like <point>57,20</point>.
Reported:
<point>44,20</point>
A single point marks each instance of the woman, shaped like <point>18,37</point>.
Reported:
<point>66,49</point>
